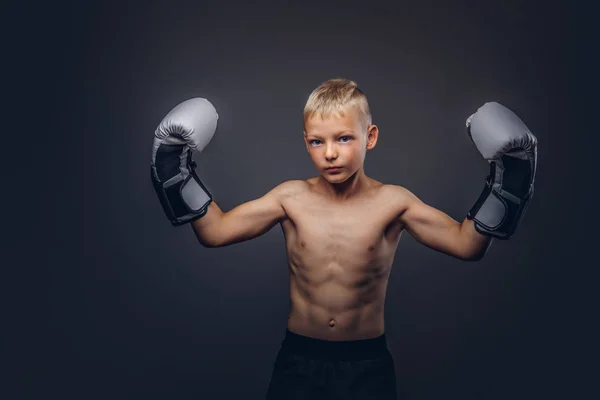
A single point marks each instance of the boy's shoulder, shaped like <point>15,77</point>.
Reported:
<point>393,189</point>
<point>295,184</point>
<point>291,187</point>
<point>395,195</point>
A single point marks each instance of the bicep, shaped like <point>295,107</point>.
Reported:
<point>265,208</point>
<point>252,218</point>
<point>430,226</point>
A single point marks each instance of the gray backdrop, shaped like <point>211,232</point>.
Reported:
<point>104,299</point>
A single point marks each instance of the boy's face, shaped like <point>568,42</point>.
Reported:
<point>338,141</point>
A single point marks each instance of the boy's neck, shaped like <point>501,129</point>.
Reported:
<point>352,186</point>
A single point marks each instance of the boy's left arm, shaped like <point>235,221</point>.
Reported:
<point>438,231</point>
<point>511,150</point>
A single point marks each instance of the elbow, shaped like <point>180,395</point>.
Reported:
<point>206,241</point>
<point>473,253</point>
<point>472,256</point>
<point>478,252</point>
<point>209,244</point>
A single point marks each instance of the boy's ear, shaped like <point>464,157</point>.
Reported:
<point>372,136</point>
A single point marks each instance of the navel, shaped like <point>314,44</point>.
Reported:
<point>332,323</point>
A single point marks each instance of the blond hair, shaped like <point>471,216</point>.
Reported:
<point>336,96</point>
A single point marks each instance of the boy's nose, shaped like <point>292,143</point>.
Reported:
<point>331,153</point>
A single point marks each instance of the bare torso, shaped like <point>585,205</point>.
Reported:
<point>340,255</point>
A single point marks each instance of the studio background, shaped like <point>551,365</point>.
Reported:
<point>103,298</point>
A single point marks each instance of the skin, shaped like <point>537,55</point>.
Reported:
<point>341,232</point>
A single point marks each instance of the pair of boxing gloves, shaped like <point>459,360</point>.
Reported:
<point>498,133</point>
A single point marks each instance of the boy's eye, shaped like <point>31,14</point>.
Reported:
<point>343,139</point>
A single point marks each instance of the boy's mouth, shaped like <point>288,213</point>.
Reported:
<point>333,169</point>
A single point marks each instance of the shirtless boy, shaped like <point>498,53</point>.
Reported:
<point>342,229</point>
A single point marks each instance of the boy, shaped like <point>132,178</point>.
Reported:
<point>342,229</point>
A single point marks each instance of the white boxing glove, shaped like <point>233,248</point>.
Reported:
<point>188,127</point>
<point>511,149</point>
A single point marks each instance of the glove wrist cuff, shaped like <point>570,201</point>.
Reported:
<point>182,195</point>
<point>497,212</point>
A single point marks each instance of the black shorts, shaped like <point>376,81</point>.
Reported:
<point>313,369</point>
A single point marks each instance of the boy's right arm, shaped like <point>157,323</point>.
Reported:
<point>244,222</point>
<point>188,128</point>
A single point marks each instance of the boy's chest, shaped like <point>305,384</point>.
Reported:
<point>360,223</point>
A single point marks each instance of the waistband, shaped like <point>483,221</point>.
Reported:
<point>352,350</point>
